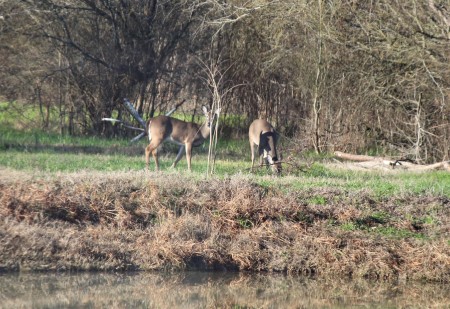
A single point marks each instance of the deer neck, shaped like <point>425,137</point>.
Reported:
<point>272,145</point>
<point>202,134</point>
<point>268,145</point>
<point>205,130</point>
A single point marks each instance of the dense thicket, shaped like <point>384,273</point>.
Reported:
<point>348,75</point>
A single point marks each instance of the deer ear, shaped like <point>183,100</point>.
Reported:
<point>204,109</point>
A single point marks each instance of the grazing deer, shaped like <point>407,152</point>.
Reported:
<point>265,137</point>
<point>185,134</point>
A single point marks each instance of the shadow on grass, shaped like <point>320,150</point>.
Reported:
<point>132,150</point>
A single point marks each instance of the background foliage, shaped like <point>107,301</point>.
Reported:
<point>346,75</point>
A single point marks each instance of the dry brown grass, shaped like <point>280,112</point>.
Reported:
<point>134,220</point>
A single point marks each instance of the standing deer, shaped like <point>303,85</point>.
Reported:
<point>185,134</point>
<point>265,137</point>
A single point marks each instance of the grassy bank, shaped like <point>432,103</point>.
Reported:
<point>93,220</point>
<point>87,204</point>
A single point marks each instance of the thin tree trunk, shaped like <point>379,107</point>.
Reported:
<point>317,106</point>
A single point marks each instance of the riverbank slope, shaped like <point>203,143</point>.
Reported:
<point>166,221</point>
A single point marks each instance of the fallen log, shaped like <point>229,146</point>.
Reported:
<point>445,165</point>
<point>355,157</point>
<point>370,162</point>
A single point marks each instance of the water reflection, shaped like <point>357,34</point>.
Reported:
<point>209,290</point>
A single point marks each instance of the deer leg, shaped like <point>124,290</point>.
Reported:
<point>155,157</point>
<point>152,148</point>
<point>252,151</point>
<point>188,155</point>
<point>148,150</point>
<point>261,155</point>
<point>179,155</point>
<point>267,159</point>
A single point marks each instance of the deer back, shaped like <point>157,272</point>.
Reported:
<point>181,132</point>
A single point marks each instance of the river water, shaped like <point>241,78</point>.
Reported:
<point>210,290</point>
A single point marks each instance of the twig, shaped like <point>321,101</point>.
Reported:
<point>123,124</point>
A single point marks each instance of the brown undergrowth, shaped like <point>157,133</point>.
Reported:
<point>154,221</point>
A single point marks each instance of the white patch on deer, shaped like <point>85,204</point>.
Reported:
<point>267,156</point>
<point>149,133</point>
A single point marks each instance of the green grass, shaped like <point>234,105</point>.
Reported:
<point>386,231</point>
<point>54,153</point>
<point>435,183</point>
<point>379,222</point>
<point>67,162</point>
<point>13,113</point>
<point>20,139</point>
<point>317,200</point>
